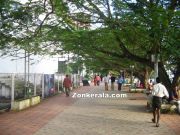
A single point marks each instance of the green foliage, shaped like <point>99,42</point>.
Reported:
<point>107,35</point>
<point>68,69</point>
<point>130,33</point>
<point>20,90</point>
<point>76,66</point>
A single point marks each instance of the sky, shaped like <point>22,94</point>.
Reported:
<point>23,1</point>
<point>45,65</point>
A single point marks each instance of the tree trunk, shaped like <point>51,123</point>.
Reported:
<point>141,77</point>
<point>176,77</point>
<point>146,76</point>
<point>164,77</point>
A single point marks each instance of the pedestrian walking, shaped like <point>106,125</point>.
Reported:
<point>149,95</point>
<point>120,82</point>
<point>67,85</point>
<point>106,81</point>
<point>95,80</point>
<point>150,86</point>
<point>159,91</point>
<point>98,79</point>
<point>112,82</point>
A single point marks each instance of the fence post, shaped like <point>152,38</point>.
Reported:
<point>54,87</point>
<point>12,89</point>
<point>42,86</point>
<point>77,81</point>
<point>62,83</point>
<point>34,84</point>
<point>58,82</point>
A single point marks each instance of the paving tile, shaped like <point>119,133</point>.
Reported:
<point>60,115</point>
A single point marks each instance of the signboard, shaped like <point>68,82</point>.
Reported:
<point>49,87</point>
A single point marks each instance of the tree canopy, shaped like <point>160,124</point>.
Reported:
<point>109,33</point>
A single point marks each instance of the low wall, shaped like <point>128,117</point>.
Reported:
<point>23,104</point>
<point>35,100</point>
<point>20,105</point>
<point>137,90</point>
<point>169,108</point>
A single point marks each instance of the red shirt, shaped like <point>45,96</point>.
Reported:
<point>98,78</point>
<point>67,82</point>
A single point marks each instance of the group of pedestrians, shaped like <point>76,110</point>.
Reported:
<point>157,91</point>
<point>112,79</point>
<point>67,83</point>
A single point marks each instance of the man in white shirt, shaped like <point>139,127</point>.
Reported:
<point>106,81</point>
<point>158,92</point>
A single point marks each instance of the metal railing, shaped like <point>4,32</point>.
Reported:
<point>16,87</point>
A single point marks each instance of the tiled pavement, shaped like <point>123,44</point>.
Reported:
<point>88,116</point>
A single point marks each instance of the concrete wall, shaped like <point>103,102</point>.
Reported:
<point>23,104</point>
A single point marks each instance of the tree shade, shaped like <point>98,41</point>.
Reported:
<point>109,33</point>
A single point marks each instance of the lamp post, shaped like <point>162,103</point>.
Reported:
<point>132,68</point>
<point>62,66</point>
<point>155,59</point>
<point>26,71</point>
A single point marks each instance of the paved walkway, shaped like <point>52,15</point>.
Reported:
<point>60,115</point>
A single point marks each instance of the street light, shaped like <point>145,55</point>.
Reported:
<point>132,68</point>
<point>26,70</point>
<point>155,59</point>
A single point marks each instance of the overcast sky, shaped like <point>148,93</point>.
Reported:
<point>46,65</point>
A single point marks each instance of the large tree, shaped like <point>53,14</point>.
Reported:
<point>20,25</point>
<point>113,32</point>
<point>123,29</point>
